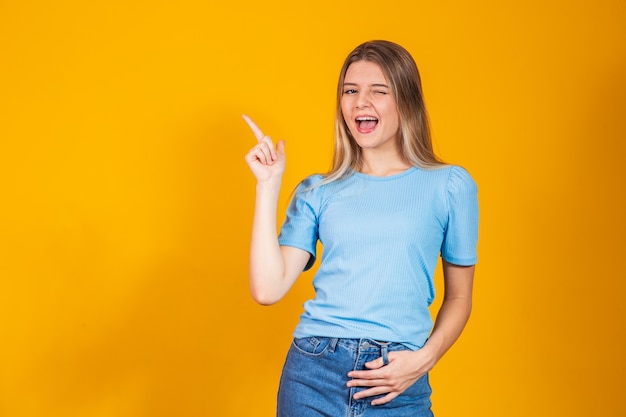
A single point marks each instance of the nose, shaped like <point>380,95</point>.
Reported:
<point>362,101</point>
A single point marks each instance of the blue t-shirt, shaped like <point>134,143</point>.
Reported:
<point>382,237</point>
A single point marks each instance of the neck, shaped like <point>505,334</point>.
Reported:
<point>382,165</point>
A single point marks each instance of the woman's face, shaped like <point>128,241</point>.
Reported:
<point>369,110</point>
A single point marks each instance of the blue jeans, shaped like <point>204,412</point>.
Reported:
<point>313,382</point>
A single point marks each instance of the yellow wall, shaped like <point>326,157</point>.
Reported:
<point>126,203</point>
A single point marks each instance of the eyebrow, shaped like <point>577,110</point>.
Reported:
<point>371,85</point>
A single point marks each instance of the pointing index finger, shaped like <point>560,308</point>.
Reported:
<point>257,132</point>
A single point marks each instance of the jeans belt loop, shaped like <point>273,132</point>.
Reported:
<point>332,344</point>
<point>383,353</point>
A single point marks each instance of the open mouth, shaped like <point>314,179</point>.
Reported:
<point>366,124</point>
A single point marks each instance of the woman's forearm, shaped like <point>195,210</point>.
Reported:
<point>451,320</point>
<point>266,259</point>
<point>455,309</point>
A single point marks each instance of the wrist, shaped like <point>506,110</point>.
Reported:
<point>270,184</point>
<point>432,350</point>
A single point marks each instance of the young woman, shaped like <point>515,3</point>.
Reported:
<point>384,213</point>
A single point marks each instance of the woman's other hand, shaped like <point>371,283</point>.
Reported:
<point>404,368</point>
<point>265,160</point>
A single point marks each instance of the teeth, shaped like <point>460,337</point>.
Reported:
<point>364,119</point>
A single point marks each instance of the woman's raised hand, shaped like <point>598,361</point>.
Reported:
<point>265,160</point>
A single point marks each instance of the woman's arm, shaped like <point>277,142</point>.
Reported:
<point>406,367</point>
<point>273,269</point>
<point>455,309</point>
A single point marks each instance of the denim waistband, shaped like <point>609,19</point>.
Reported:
<point>364,345</point>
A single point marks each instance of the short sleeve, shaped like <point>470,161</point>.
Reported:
<point>300,229</point>
<point>461,235</point>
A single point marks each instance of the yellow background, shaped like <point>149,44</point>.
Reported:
<point>126,202</point>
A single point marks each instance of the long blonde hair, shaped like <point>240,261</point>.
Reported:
<point>403,77</point>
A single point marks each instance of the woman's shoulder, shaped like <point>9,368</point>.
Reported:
<point>318,189</point>
<point>309,188</point>
<point>311,181</point>
<point>458,179</point>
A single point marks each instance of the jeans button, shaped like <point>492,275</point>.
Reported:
<point>365,345</point>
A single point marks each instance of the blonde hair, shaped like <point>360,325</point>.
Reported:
<point>405,86</point>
